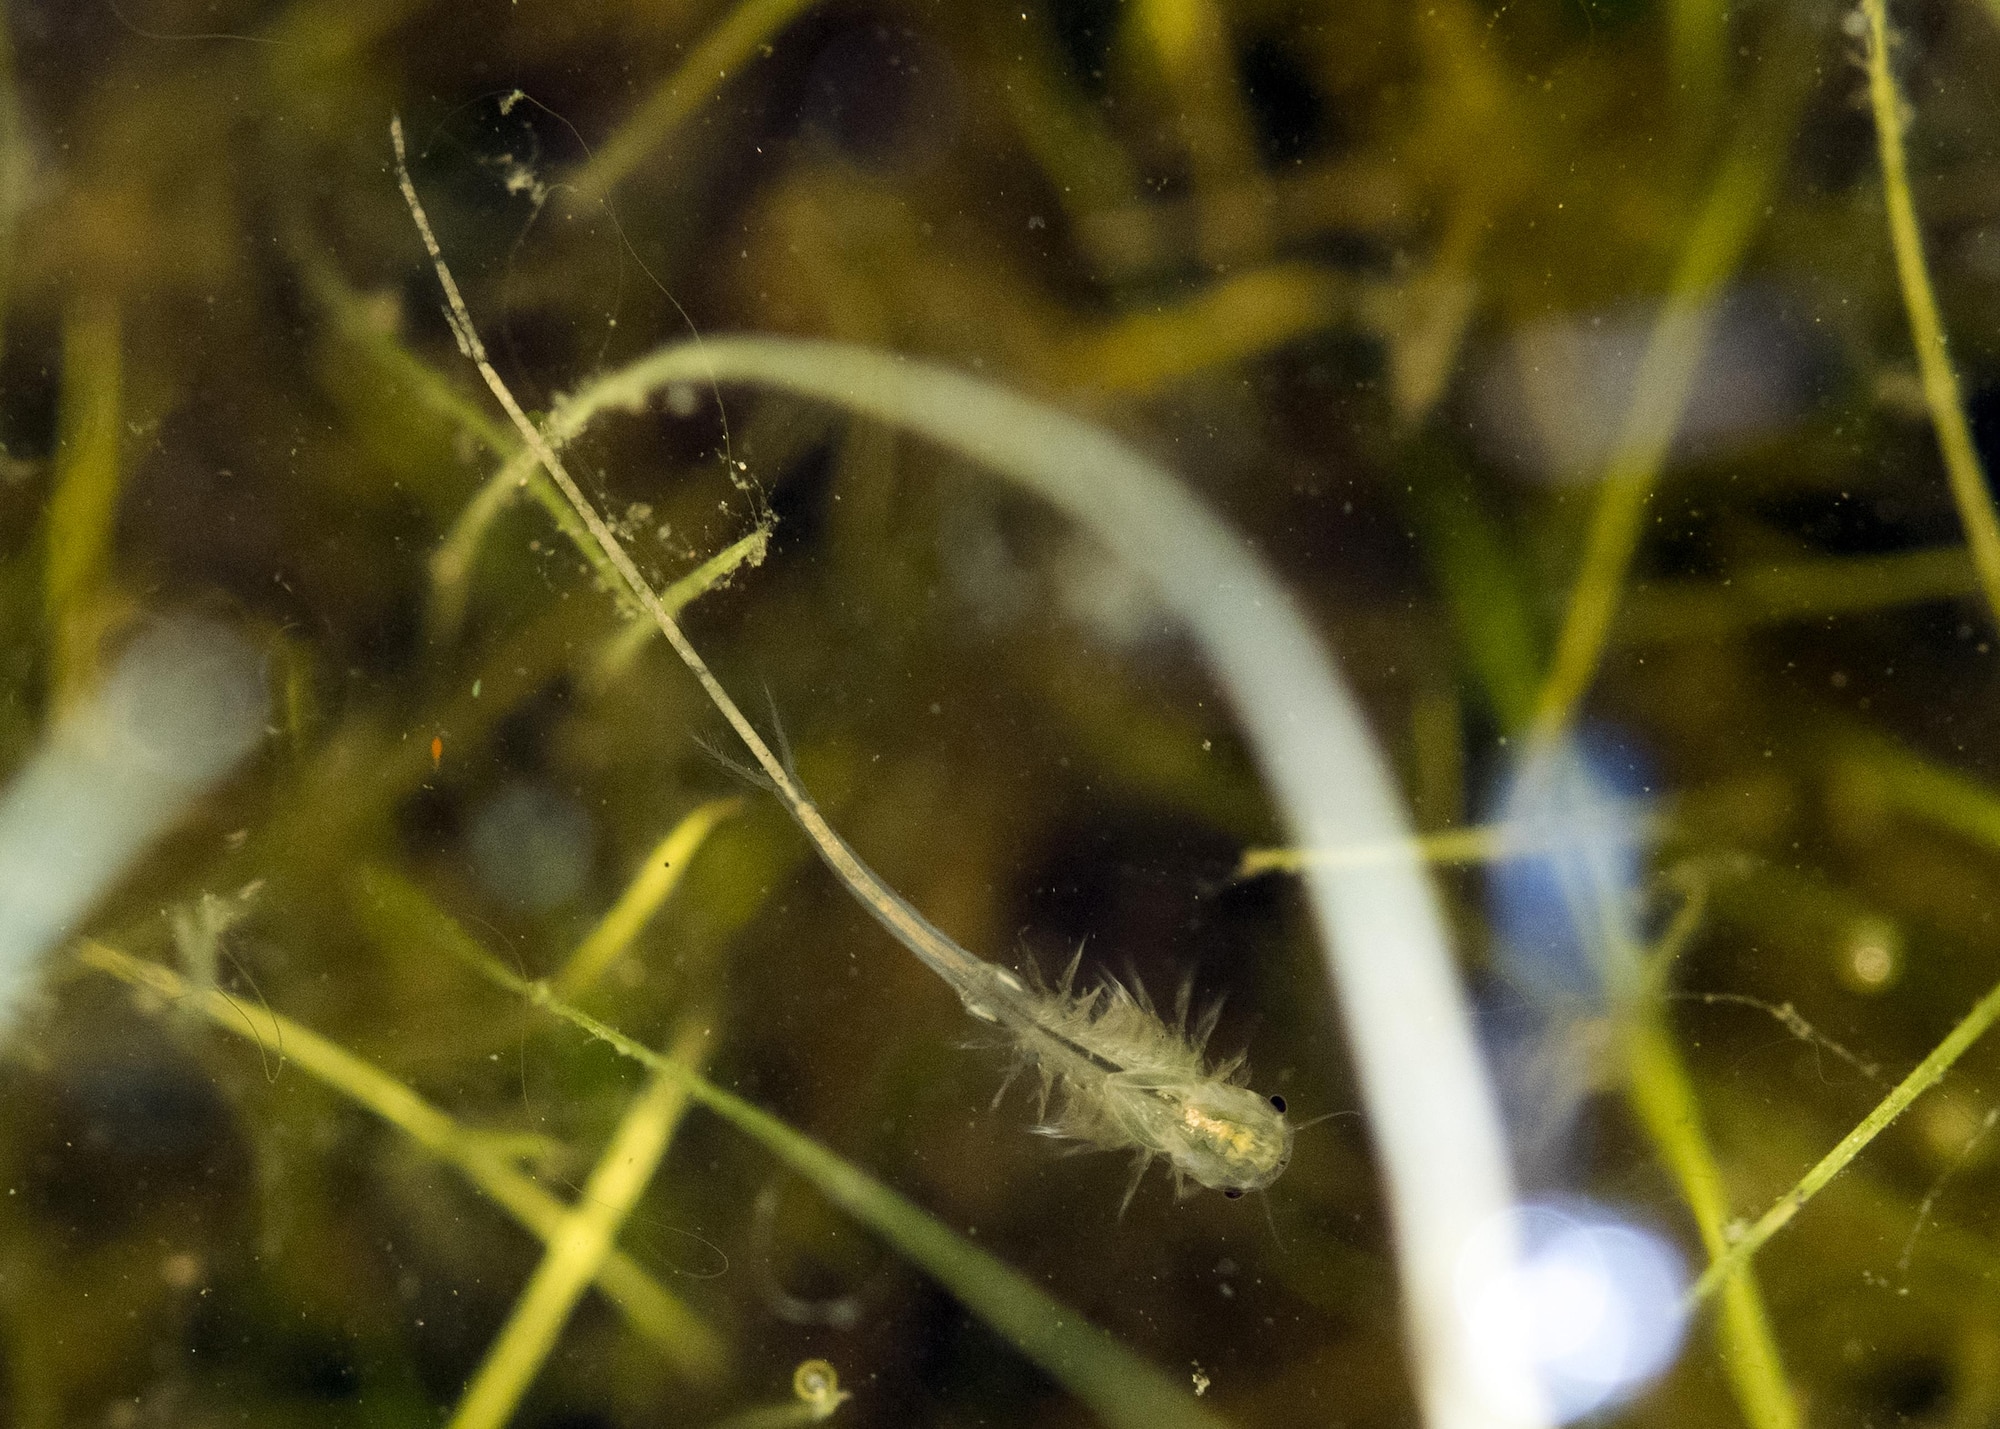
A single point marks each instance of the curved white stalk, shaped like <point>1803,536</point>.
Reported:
<point>1430,1107</point>
<point>182,706</point>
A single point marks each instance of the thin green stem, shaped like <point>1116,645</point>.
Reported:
<point>403,372</point>
<point>1950,801</point>
<point>1940,382</point>
<point>1660,391</point>
<point>1480,843</point>
<point>1087,169</point>
<point>1242,317</point>
<point>618,652</point>
<point>689,1344</point>
<point>1502,644</point>
<point>1191,47</point>
<point>1664,1099</point>
<point>771,1416</point>
<point>580,1245</point>
<point>1684,611</point>
<point>84,503</point>
<point>740,38</point>
<point>655,882</point>
<point>363,327</point>
<point>1122,1389</point>
<point>1883,772</point>
<point>1698,32</point>
<point>1926,1075</point>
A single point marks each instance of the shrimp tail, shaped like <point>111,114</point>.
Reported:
<point>1007,1080</point>
<point>1204,1025</point>
<point>1068,978</point>
<point>749,774</point>
<point>736,769</point>
<point>779,738</point>
<point>1140,1161</point>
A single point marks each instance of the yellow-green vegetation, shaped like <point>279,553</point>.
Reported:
<point>481,1053</point>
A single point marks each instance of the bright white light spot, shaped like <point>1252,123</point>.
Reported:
<point>1592,1302</point>
<point>1873,955</point>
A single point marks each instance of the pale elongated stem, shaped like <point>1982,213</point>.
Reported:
<point>1940,382</point>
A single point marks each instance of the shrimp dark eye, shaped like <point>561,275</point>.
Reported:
<point>1277,1104</point>
<point>1233,1194</point>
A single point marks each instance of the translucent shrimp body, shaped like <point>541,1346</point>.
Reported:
<point>1119,1077</point>
<point>1432,1112</point>
<point>1122,1078</point>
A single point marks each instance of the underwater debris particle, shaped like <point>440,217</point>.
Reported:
<point>818,1386</point>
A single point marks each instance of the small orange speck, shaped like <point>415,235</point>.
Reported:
<point>437,750</point>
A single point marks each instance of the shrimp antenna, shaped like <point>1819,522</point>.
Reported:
<point>732,766</point>
<point>1323,1116</point>
<point>778,735</point>
<point>1122,1078</point>
<point>1271,1220</point>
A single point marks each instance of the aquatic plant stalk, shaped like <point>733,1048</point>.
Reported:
<point>579,1245</point>
<point>1494,618</point>
<point>1662,1095</point>
<point>1657,1081</point>
<point>1066,134</point>
<point>655,882</point>
<point>1951,801</point>
<point>1905,780</point>
<point>1191,45</point>
<point>1940,382</point>
<point>1694,610</point>
<point>1660,389</point>
<point>1122,1389</point>
<point>694,1349</point>
<point>1921,1079</point>
<point>725,49</point>
<point>1592,866</point>
<point>1480,843</point>
<point>1237,319</point>
<point>1698,40</point>
<point>620,650</point>
<point>408,376</point>
<point>83,506</point>
<point>1491,617</point>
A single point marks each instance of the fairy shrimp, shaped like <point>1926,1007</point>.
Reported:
<point>1120,1078</point>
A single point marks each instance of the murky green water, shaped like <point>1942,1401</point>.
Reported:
<point>1554,358</point>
